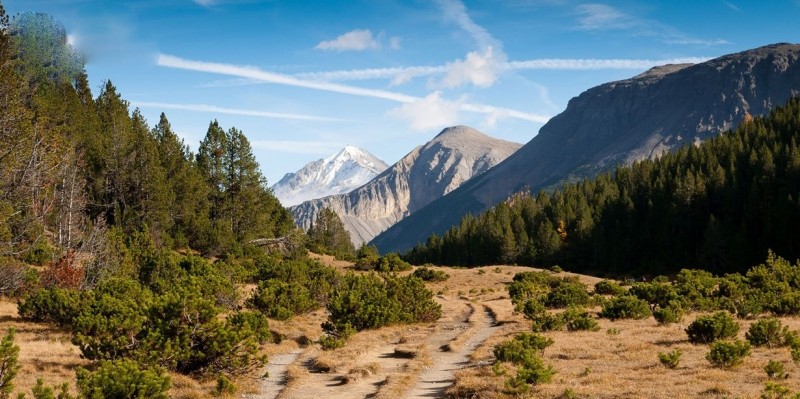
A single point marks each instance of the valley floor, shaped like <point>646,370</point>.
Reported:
<point>453,356</point>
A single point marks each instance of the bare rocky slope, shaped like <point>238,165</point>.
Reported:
<point>426,173</point>
<point>618,123</point>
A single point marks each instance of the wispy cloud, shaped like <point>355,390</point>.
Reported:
<point>479,68</point>
<point>595,64</point>
<point>249,72</point>
<point>697,42</point>
<point>357,40</point>
<point>454,11</point>
<point>298,147</point>
<point>603,17</point>
<point>254,73</point>
<point>429,113</point>
<point>732,6</point>
<point>232,111</point>
<point>403,74</point>
<point>205,3</point>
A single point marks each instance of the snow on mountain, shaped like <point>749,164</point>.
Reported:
<point>338,174</point>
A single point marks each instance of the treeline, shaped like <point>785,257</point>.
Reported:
<point>74,166</point>
<point>719,206</point>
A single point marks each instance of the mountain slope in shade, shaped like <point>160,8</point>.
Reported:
<point>618,123</point>
<point>340,173</point>
<point>426,173</point>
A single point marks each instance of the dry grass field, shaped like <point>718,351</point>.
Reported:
<point>618,361</point>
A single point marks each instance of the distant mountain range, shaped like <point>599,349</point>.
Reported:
<point>428,172</point>
<point>618,123</point>
<point>340,173</point>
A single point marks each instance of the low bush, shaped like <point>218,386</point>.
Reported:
<point>656,294</point>
<point>122,379</point>
<point>625,307</point>
<point>567,292</point>
<point>669,314</point>
<point>525,350</point>
<point>541,319</point>
<point>609,287</point>
<point>429,274</point>
<point>181,329</point>
<point>774,390</point>
<point>367,301</point>
<point>391,262</point>
<point>577,319</point>
<point>726,354</point>
<point>707,329</point>
<point>670,359</point>
<point>513,351</point>
<point>281,300</point>
<point>766,332</point>
<point>775,370</point>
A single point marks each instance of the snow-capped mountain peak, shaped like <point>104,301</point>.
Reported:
<point>337,174</point>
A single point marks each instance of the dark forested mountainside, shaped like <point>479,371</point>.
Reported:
<point>616,123</point>
<point>73,167</point>
<point>718,206</point>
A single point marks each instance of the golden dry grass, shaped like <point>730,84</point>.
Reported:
<point>44,352</point>
<point>620,364</point>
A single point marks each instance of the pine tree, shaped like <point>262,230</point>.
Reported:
<point>327,235</point>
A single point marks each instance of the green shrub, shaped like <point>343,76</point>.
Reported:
<point>429,274</point>
<point>367,301</point>
<point>697,289</point>
<point>657,295</point>
<point>707,329</point>
<point>538,278</point>
<point>787,304</point>
<point>514,350</point>
<point>669,314</point>
<point>577,319</point>
<point>392,262</point>
<point>328,342</point>
<point>525,350</point>
<point>367,257</point>
<point>670,359</point>
<point>52,305</point>
<point>625,307</point>
<point>542,320</point>
<point>281,300</point>
<point>9,363</point>
<point>556,269</point>
<point>726,354</point>
<point>42,391</point>
<point>317,278</point>
<point>534,371</point>
<point>566,293</point>
<point>766,332</point>
<point>775,370</point>
<point>122,379</point>
<point>774,390</point>
<point>608,287</point>
<point>224,386</point>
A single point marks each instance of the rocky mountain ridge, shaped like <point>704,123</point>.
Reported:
<point>617,123</point>
<point>340,173</point>
<point>454,156</point>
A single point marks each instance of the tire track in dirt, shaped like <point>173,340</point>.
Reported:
<point>369,372</point>
<point>436,379</point>
<point>275,381</point>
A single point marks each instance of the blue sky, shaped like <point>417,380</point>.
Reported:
<point>304,78</point>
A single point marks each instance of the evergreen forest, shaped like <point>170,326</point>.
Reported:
<point>718,206</point>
